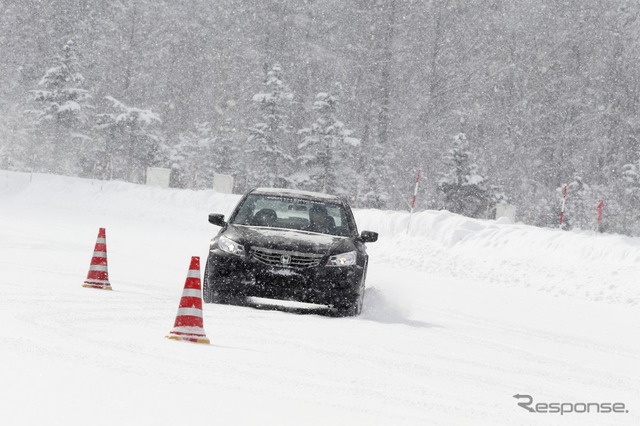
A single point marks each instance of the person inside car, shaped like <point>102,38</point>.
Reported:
<point>320,221</point>
<point>265,217</point>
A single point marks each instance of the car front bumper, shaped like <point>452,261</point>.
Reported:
<point>244,276</point>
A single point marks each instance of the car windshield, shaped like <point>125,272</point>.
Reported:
<point>293,213</point>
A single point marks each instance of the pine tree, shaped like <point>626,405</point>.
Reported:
<point>16,142</point>
<point>62,113</point>
<point>545,211</point>
<point>185,158</point>
<point>205,161</point>
<point>463,188</point>
<point>194,158</point>
<point>581,203</point>
<point>327,150</point>
<point>132,140</point>
<point>630,199</point>
<point>373,170</point>
<point>226,153</point>
<point>271,162</point>
<point>199,154</point>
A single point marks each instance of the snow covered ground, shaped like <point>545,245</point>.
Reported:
<point>459,316</point>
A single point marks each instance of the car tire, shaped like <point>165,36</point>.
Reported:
<point>222,298</point>
<point>207,291</point>
<point>211,295</point>
<point>353,304</point>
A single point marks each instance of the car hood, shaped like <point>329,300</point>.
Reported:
<point>289,240</point>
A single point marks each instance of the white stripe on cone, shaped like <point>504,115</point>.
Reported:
<point>102,268</point>
<point>193,312</point>
<point>191,292</point>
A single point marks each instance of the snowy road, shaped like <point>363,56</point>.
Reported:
<point>456,321</point>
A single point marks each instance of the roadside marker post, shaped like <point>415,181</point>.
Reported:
<point>415,196</point>
<point>600,208</point>
<point>564,201</point>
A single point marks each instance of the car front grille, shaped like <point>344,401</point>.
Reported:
<point>285,259</point>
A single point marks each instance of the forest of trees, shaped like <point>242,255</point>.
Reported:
<point>496,100</point>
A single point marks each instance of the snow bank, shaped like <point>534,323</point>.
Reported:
<point>452,230</point>
<point>106,198</point>
<point>584,264</point>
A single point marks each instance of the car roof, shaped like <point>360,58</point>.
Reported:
<point>296,193</point>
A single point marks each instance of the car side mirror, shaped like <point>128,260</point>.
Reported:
<point>369,237</point>
<point>217,219</point>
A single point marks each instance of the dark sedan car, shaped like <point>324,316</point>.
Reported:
<point>288,245</point>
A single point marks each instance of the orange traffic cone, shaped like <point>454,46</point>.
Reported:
<point>98,276</point>
<point>189,325</point>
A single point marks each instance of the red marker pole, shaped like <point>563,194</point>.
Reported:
<point>415,196</point>
<point>564,200</point>
<point>600,207</point>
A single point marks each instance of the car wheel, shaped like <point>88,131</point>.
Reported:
<point>212,295</point>
<point>222,298</point>
<point>207,291</point>
<point>352,305</point>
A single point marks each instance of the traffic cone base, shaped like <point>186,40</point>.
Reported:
<point>98,276</point>
<point>189,325</point>
<point>189,334</point>
<point>98,285</point>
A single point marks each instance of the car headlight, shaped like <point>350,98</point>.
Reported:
<point>343,259</point>
<point>227,245</point>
